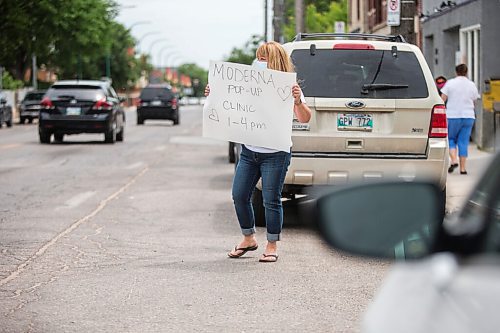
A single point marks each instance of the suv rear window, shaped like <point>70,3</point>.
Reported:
<point>33,96</point>
<point>79,92</point>
<point>156,93</point>
<point>342,73</point>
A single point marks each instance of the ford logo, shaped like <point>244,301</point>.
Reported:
<point>355,105</point>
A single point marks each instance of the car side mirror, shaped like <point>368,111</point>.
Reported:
<point>384,220</point>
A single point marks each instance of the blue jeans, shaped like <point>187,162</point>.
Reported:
<point>459,130</point>
<point>272,168</point>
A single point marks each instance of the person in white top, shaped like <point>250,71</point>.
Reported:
<point>459,94</point>
<point>267,164</point>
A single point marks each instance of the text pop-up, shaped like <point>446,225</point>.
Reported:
<point>249,105</point>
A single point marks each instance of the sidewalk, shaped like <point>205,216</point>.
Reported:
<point>459,186</point>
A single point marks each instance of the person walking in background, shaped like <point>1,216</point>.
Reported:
<point>440,82</point>
<point>459,94</point>
<point>267,164</point>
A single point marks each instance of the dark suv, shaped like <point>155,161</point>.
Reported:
<point>83,106</point>
<point>5,111</point>
<point>29,108</point>
<point>157,102</point>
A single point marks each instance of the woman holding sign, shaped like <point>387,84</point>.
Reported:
<point>269,164</point>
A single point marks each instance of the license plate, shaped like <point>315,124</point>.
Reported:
<point>156,103</point>
<point>73,111</point>
<point>354,122</point>
<point>298,126</point>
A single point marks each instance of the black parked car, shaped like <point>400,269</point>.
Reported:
<point>83,106</point>
<point>157,101</point>
<point>5,111</point>
<point>29,108</point>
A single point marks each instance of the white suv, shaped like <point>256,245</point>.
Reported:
<point>376,114</point>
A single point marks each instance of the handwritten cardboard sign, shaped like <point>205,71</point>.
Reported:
<point>249,105</point>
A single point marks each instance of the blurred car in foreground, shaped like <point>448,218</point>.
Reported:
<point>29,108</point>
<point>81,106</point>
<point>455,286</point>
<point>5,111</point>
<point>157,101</point>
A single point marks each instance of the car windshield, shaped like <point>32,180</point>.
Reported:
<point>80,92</point>
<point>359,74</point>
<point>156,93</point>
<point>34,97</point>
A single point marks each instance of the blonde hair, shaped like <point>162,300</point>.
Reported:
<point>276,56</point>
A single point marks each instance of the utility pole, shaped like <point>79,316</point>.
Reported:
<point>299,16</point>
<point>406,27</point>
<point>278,14</point>
<point>35,72</point>
<point>265,20</point>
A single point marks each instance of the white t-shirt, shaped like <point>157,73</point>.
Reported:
<point>461,93</point>
<point>265,150</point>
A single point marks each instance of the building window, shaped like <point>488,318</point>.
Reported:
<point>469,51</point>
<point>377,13</point>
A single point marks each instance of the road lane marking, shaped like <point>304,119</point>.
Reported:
<point>22,267</point>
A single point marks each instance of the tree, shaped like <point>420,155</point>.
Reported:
<point>245,55</point>
<point>198,75</point>
<point>320,16</point>
<point>9,83</point>
<point>76,38</point>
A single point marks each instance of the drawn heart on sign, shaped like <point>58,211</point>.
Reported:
<point>284,93</point>
<point>213,116</point>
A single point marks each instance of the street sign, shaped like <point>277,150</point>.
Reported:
<point>339,26</point>
<point>393,12</point>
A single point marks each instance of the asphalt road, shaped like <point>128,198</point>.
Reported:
<point>132,237</point>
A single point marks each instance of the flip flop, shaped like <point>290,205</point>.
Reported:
<point>244,249</point>
<point>452,167</point>
<point>275,256</point>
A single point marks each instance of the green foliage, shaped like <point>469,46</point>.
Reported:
<point>74,37</point>
<point>9,83</point>
<point>199,77</point>
<point>246,54</point>
<point>320,16</point>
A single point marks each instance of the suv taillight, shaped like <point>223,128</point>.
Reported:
<point>46,104</point>
<point>439,127</point>
<point>174,103</point>
<point>102,105</point>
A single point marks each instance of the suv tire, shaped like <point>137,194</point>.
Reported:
<point>110,136</point>
<point>121,134</point>
<point>176,118</point>
<point>140,121</point>
<point>44,135</point>
<point>58,137</point>
<point>231,152</point>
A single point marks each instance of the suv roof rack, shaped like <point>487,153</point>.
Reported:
<point>390,38</point>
